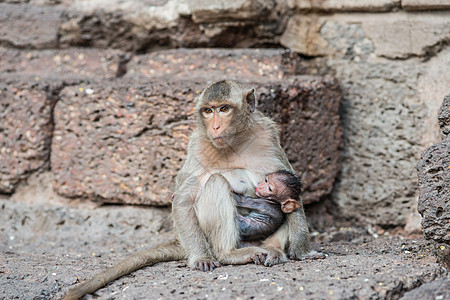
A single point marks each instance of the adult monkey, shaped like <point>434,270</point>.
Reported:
<point>232,141</point>
<point>231,136</point>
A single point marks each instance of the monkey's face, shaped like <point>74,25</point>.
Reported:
<point>270,187</point>
<point>217,119</point>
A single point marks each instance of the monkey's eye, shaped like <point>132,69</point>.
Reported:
<point>265,179</point>
<point>224,109</point>
<point>207,110</point>
<point>270,189</point>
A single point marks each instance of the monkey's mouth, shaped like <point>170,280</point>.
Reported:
<point>221,139</point>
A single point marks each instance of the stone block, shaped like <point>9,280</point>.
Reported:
<point>141,26</point>
<point>70,65</point>
<point>213,64</point>
<point>400,35</point>
<point>129,25</point>
<point>436,289</point>
<point>444,117</point>
<point>25,131</point>
<point>302,35</point>
<point>434,186</point>
<point>29,26</point>
<point>123,142</point>
<point>393,35</point>
<point>425,4</point>
<point>434,183</point>
<point>225,11</point>
<point>348,5</point>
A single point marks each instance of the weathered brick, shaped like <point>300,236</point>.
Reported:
<point>29,26</point>
<point>425,4</point>
<point>25,131</point>
<point>347,5</point>
<point>434,186</point>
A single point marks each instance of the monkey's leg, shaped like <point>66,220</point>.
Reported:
<point>165,252</point>
<point>275,246</point>
<point>216,213</point>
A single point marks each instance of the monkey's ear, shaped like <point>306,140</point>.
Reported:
<point>250,99</point>
<point>289,205</point>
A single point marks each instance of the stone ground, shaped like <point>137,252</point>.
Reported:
<point>47,247</point>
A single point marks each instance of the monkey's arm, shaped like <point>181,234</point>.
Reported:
<point>296,234</point>
<point>299,243</point>
<point>190,235</point>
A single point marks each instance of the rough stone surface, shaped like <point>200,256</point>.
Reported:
<point>126,142</point>
<point>393,35</point>
<point>347,5</point>
<point>444,117</point>
<point>31,81</point>
<point>25,131</point>
<point>425,4</point>
<point>378,181</point>
<point>140,25</point>
<point>389,116</point>
<point>403,35</point>
<point>133,133</point>
<point>146,26</point>
<point>438,289</point>
<point>302,35</point>
<point>434,185</point>
<point>213,64</point>
<point>225,11</point>
<point>121,143</point>
<point>434,85</point>
<point>19,25</point>
<point>69,65</point>
<point>64,245</point>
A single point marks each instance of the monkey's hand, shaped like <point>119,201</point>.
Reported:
<point>206,264</point>
<point>275,256</point>
<point>259,257</point>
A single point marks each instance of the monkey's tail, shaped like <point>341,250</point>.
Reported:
<point>166,252</point>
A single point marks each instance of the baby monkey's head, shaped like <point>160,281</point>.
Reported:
<point>283,187</point>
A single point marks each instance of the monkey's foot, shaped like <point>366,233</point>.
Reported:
<point>311,255</point>
<point>206,265</point>
<point>275,257</point>
<point>259,258</point>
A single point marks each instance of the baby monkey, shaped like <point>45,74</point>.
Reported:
<point>279,194</point>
